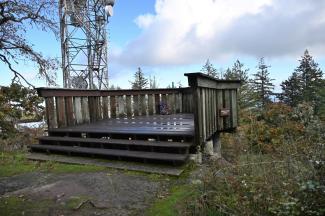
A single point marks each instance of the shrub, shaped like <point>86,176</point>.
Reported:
<point>279,169</point>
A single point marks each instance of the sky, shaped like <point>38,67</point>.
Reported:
<point>168,38</point>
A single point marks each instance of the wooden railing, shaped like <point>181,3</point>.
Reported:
<point>68,107</point>
<point>213,103</point>
<point>215,108</point>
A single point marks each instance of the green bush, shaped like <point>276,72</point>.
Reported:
<point>278,167</point>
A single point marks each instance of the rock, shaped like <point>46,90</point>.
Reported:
<point>208,148</point>
<point>196,181</point>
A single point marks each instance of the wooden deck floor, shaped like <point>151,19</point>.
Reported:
<point>149,139</point>
<point>172,125</point>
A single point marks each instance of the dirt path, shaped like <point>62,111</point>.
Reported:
<point>100,193</point>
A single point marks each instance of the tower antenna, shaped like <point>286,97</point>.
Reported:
<point>84,42</point>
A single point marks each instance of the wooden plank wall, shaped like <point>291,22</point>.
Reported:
<point>214,105</point>
<point>69,110</point>
<point>212,102</point>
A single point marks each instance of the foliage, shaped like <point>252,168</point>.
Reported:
<point>153,83</point>
<point>17,102</point>
<point>14,163</point>
<point>18,205</point>
<point>321,102</point>
<point>173,85</point>
<point>113,87</point>
<point>168,206</point>
<point>262,84</point>
<point>238,72</point>
<point>267,131</point>
<point>311,76</point>
<point>304,84</point>
<point>279,171</point>
<point>291,90</point>
<point>140,82</point>
<point>16,17</point>
<point>209,69</point>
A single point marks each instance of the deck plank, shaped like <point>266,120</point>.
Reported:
<point>112,152</point>
<point>174,125</point>
<point>123,165</point>
<point>118,141</point>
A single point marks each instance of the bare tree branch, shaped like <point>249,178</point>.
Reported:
<point>17,75</point>
<point>16,18</point>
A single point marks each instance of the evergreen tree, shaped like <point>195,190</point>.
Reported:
<point>153,83</point>
<point>112,87</point>
<point>262,84</point>
<point>304,84</point>
<point>321,107</point>
<point>238,72</point>
<point>140,82</point>
<point>172,85</point>
<point>209,69</point>
<point>291,90</point>
<point>229,75</point>
<point>311,76</point>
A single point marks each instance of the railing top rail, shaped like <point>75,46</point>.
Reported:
<point>203,80</point>
<point>64,92</point>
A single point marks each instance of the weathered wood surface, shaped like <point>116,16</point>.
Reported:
<point>112,152</point>
<point>174,125</point>
<point>147,168</point>
<point>109,142</point>
<point>205,99</point>
<point>73,107</point>
<point>211,99</point>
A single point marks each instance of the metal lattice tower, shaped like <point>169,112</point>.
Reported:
<point>84,42</point>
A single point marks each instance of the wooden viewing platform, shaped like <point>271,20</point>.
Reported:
<point>131,125</point>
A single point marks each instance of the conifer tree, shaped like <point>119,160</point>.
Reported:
<point>321,108</point>
<point>304,84</point>
<point>311,76</point>
<point>238,72</point>
<point>292,90</point>
<point>140,82</point>
<point>262,84</point>
<point>209,69</point>
<point>153,83</point>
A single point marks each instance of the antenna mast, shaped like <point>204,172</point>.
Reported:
<point>84,42</point>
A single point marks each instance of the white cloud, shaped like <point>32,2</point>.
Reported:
<point>144,21</point>
<point>188,31</point>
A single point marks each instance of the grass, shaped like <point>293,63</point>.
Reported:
<point>15,163</point>
<point>13,206</point>
<point>168,205</point>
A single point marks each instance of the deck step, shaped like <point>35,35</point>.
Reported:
<point>120,144</point>
<point>154,156</point>
<point>168,131</point>
<point>105,142</point>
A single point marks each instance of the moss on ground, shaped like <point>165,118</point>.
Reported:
<point>16,163</point>
<point>13,206</point>
<point>168,206</point>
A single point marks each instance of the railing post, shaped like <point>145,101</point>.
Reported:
<point>197,109</point>
<point>214,103</point>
